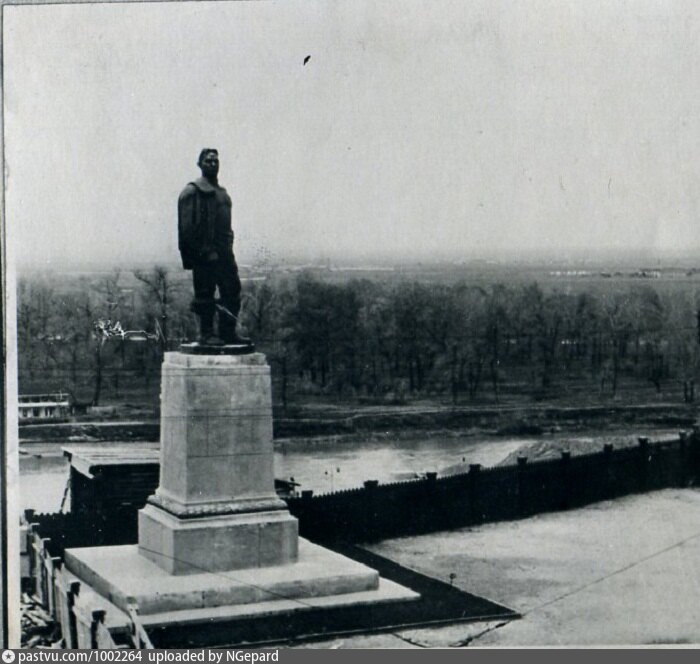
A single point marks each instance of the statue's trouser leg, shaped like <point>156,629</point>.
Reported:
<point>229,284</point>
<point>204,278</point>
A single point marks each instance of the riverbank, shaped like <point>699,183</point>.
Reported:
<point>346,421</point>
<point>331,463</point>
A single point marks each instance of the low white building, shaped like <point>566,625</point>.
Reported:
<point>54,406</point>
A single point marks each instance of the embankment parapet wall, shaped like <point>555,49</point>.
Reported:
<point>376,511</point>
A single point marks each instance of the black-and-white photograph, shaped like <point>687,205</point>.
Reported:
<point>354,324</point>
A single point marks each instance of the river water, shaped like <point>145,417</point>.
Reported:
<point>327,465</point>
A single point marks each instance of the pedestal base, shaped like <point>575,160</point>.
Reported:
<point>196,348</point>
<point>217,543</point>
<point>319,578</point>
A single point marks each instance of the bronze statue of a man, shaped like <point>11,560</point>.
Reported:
<point>205,240</point>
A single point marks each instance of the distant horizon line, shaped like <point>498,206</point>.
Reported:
<point>641,258</point>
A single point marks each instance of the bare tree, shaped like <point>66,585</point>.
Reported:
<point>159,292</point>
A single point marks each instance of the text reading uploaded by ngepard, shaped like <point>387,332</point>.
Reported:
<point>145,656</point>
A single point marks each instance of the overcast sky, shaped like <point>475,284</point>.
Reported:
<point>417,129</point>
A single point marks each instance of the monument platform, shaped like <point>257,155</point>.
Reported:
<point>319,577</point>
<point>215,542</point>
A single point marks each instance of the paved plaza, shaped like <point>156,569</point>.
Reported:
<point>615,573</point>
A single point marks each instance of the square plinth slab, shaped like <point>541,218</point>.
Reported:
<point>217,543</point>
<point>122,576</point>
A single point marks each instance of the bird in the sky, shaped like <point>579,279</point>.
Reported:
<point>306,59</point>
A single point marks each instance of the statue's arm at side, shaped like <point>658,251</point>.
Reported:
<point>231,235</point>
<point>187,223</point>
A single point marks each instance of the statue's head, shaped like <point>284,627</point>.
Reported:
<point>208,162</point>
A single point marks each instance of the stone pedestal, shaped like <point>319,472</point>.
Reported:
<point>215,541</point>
<point>215,508</point>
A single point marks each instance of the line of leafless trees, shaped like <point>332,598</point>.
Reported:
<point>371,339</point>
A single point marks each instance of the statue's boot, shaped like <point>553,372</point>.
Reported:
<point>206,331</point>
<point>227,332</point>
<point>237,340</point>
<point>234,338</point>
